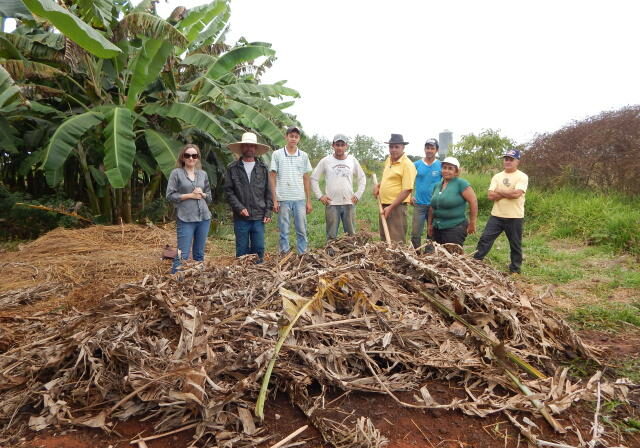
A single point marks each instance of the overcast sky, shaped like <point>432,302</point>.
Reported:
<point>419,67</point>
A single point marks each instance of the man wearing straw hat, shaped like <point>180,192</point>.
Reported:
<point>246,186</point>
<point>339,200</point>
<point>395,189</point>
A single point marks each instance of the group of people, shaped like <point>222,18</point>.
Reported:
<point>436,191</point>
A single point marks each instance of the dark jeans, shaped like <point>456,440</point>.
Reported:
<point>420,214</point>
<point>455,234</point>
<point>192,237</point>
<point>333,214</point>
<point>249,237</point>
<point>512,227</point>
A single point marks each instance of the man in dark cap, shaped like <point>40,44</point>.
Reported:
<point>395,188</point>
<point>507,191</point>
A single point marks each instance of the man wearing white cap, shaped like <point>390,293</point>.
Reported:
<point>339,200</point>
<point>246,186</point>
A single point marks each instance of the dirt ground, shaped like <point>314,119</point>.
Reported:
<point>404,427</point>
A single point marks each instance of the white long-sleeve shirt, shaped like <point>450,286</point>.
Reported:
<point>338,179</point>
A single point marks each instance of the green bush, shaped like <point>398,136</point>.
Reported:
<point>20,222</point>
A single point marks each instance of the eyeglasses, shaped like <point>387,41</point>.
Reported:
<point>187,155</point>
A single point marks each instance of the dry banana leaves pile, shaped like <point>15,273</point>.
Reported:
<point>193,350</point>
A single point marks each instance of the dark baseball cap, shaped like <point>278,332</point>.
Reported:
<point>291,129</point>
<point>431,142</point>
<point>513,153</point>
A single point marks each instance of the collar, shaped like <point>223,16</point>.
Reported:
<point>400,160</point>
<point>286,152</point>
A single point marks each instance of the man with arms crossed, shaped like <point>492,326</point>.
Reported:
<point>395,188</point>
<point>507,191</point>
<point>291,189</point>
<point>429,173</point>
<point>340,200</point>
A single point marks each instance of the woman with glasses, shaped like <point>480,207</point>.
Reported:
<point>189,190</point>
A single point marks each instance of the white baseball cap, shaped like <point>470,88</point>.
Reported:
<point>452,161</point>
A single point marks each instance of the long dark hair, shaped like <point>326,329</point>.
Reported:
<point>180,161</point>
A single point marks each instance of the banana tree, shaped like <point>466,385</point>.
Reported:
<point>128,99</point>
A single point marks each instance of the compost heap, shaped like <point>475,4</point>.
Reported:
<point>193,349</point>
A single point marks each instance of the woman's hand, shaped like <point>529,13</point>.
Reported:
<point>471,228</point>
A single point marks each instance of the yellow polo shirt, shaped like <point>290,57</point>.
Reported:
<point>509,208</point>
<point>396,177</point>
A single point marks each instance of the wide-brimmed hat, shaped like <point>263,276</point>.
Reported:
<point>396,139</point>
<point>248,138</point>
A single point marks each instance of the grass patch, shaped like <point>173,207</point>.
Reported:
<point>609,316</point>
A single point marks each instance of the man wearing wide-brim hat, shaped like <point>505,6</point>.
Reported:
<point>246,186</point>
<point>395,188</point>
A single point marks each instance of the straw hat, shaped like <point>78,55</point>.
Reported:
<point>248,138</point>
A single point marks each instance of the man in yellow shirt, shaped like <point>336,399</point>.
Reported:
<point>507,191</point>
<point>395,188</point>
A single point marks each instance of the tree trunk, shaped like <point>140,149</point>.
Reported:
<point>91,192</point>
<point>107,205</point>
<point>154,186</point>
<point>126,203</point>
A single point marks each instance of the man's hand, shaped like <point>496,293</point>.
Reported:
<point>471,228</point>
<point>376,190</point>
<point>354,199</point>
<point>412,201</point>
<point>266,219</point>
<point>309,207</point>
<point>430,230</point>
<point>276,206</point>
<point>387,211</point>
<point>244,212</point>
<point>325,200</point>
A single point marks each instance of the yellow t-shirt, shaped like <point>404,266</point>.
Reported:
<point>396,177</point>
<point>509,208</point>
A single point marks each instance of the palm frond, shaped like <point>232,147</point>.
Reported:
<point>21,70</point>
<point>145,24</point>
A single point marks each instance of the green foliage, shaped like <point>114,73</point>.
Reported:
<point>315,146</point>
<point>479,153</point>
<point>368,151</point>
<point>611,315</point>
<point>19,222</point>
<point>169,75</point>
<point>80,32</point>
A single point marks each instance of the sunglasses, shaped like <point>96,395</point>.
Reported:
<point>186,155</point>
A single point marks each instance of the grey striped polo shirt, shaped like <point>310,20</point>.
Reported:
<point>290,169</point>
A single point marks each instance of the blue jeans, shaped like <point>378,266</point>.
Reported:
<point>249,237</point>
<point>333,214</point>
<point>298,208</point>
<point>192,237</point>
<point>420,215</point>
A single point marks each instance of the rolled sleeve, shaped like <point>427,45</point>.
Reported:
<point>173,195</point>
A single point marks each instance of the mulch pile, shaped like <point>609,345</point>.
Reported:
<point>191,351</point>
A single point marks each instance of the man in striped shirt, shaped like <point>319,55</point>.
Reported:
<point>291,190</point>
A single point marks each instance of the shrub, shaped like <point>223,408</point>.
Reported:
<point>601,153</point>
